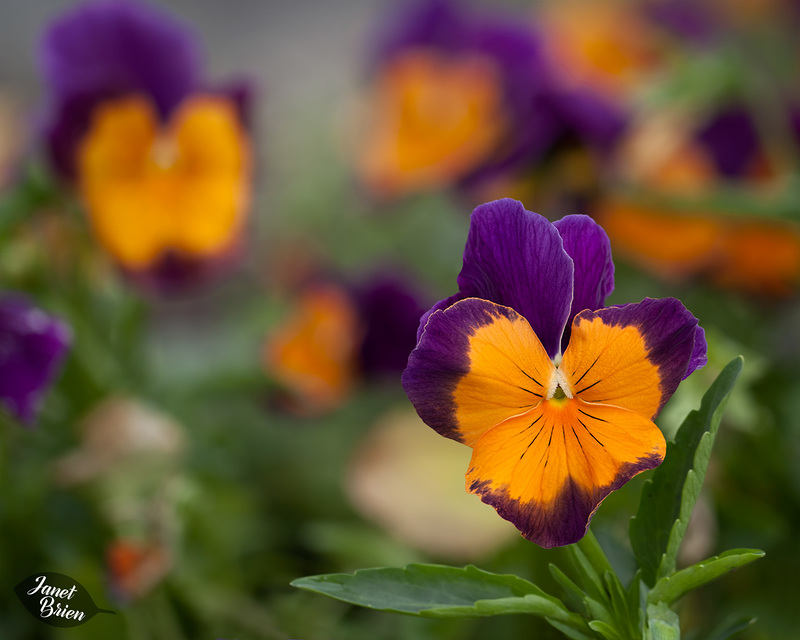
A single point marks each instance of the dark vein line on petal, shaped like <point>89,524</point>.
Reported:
<point>590,433</point>
<point>587,371</point>
<point>591,416</point>
<point>533,393</point>
<point>527,375</point>
<point>589,387</point>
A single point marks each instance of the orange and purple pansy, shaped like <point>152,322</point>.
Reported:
<point>554,392</point>
<point>461,98</point>
<point>340,334</point>
<point>161,160</point>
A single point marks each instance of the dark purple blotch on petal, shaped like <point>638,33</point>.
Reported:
<point>699,357</point>
<point>390,310</point>
<point>32,347</point>
<point>669,331</point>
<point>441,359</point>
<point>590,249</point>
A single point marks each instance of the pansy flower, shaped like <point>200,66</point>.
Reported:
<point>554,392</point>
<point>161,161</point>
<point>32,348</point>
<point>338,335</point>
<point>459,98</point>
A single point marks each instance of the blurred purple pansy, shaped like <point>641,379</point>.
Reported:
<point>463,97</point>
<point>162,161</point>
<point>107,49</point>
<point>32,347</point>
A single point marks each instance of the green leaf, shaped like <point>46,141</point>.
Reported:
<point>574,597</point>
<point>606,630</point>
<point>728,629</point>
<point>662,623</point>
<point>588,577</point>
<point>441,591</point>
<point>669,496</point>
<point>571,633</point>
<point>670,588</point>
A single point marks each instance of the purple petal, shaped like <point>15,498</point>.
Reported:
<point>699,358</point>
<point>390,311</point>
<point>692,21</point>
<point>588,246</point>
<point>516,258</point>
<point>593,120</point>
<point>103,49</point>
<point>732,140</point>
<point>442,304</point>
<point>32,346</point>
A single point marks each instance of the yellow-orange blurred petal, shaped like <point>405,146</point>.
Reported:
<point>431,120</point>
<point>604,44</point>
<point>313,353</point>
<point>150,188</point>
<point>761,258</point>
<point>548,470</point>
<point>668,243</point>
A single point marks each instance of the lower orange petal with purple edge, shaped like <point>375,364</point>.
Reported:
<point>548,470</point>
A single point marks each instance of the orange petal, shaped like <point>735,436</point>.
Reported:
<point>548,470</point>
<point>632,356</point>
<point>477,364</point>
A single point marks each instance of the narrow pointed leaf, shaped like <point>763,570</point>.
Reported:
<point>662,623</point>
<point>729,629</point>
<point>587,578</point>
<point>669,496</point>
<point>670,588</point>
<point>574,597</point>
<point>605,630</point>
<point>440,591</point>
<point>57,600</point>
<point>570,632</point>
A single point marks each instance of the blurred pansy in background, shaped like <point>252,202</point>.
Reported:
<point>753,255</point>
<point>404,477</point>
<point>162,161</point>
<point>337,334</point>
<point>130,460</point>
<point>119,434</point>
<point>668,163</point>
<point>525,366</point>
<point>33,346</point>
<point>134,567</point>
<point>466,98</point>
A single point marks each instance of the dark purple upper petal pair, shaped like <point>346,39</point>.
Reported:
<point>32,346</point>
<point>545,272</point>
<point>104,49</point>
